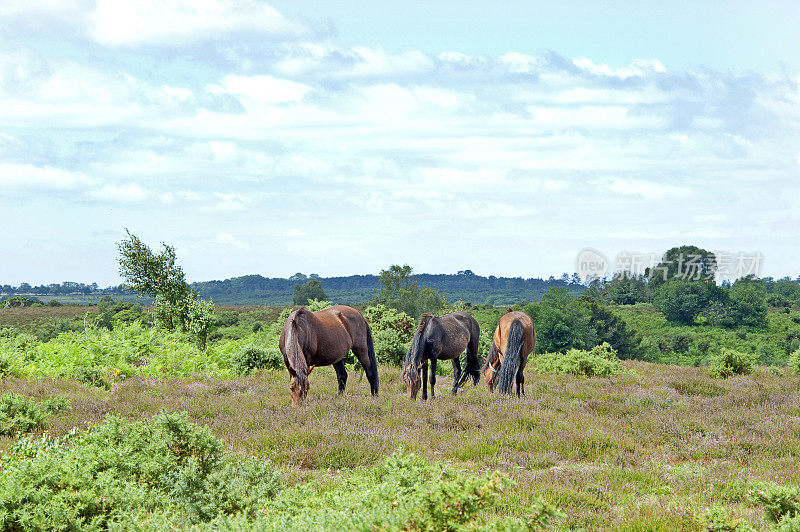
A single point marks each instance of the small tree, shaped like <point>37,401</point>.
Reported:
<point>158,276</point>
<point>562,322</point>
<point>303,293</point>
<point>397,290</point>
<point>681,301</point>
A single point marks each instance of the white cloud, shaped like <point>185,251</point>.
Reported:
<point>175,22</point>
<point>640,187</point>
<point>265,89</point>
<point>30,177</point>
<point>230,240</point>
<point>131,193</point>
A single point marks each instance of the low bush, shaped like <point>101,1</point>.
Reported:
<point>120,470</point>
<point>253,358</point>
<point>19,415</point>
<point>729,362</point>
<point>600,361</point>
<point>166,473</point>
<point>391,333</point>
<point>794,362</point>
<point>779,502</point>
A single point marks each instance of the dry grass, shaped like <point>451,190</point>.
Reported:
<point>645,451</point>
<point>25,317</point>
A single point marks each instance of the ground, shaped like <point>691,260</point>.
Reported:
<point>650,450</point>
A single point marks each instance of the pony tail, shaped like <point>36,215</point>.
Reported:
<point>510,366</point>
<point>373,377</point>
<point>296,357</point>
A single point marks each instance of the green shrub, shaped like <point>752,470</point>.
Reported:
<point>717,520</point>
<point>600,361</point>
<point>729,362</point>
<point>252,358</point>
<point>391,332</point>
<point>794,362</point>
<point>119,470</point>
<point>779,502</point>
<point>404,492</point>
<point>19,415</point>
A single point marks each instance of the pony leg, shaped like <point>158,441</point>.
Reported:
<point>520,383</point>
<point>456,374</point>
<point>424,380</point>
<point>370,366</point>
<point>341,375</point>
<point>433,376</point>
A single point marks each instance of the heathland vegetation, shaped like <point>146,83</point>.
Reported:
<point>651,405</point>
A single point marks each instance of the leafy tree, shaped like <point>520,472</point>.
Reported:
<point>748,303</point>
<point>561,322</point>
<point>158,275</point>
<point>155,275</point>
<point>397,290</point>
<point>690,263</point>
<point>312,289</point>
<point>681,301</point>
<point>610,328</point>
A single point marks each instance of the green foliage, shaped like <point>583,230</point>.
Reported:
<point>312,289</point>
<point>18,301</point>
<point>600,361</point>
<point>685,263</point>
<point>391,332</point>
<point>681,301</point>
<point>317,304</point>
<point>404,492</point>
<point>779,502</point>
<point>19,415</point>
<point>562,322</point>
<point>252,358</point>
<point>729,362</point>
<point>396,290</point>
<point>747,303</point>
<point>158,275</point>
<point>794,362</point>
<point>119,470</point>
<point>717,520</point>
<point>611,328</point>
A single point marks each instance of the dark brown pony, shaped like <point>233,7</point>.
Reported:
<point>514,339</point>
<point>445,337</point>
<point>322,338</point>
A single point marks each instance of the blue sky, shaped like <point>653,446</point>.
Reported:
<point>339,138</point>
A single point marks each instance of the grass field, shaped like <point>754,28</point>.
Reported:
<point>650,450</point>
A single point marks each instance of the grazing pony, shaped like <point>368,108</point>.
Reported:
<point>445,338</point>
<point>514,339</point>
<point>322,338</point>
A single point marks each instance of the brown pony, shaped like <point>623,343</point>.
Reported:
<point>322,338</point>
<point>444,337</point>
<point>514,339</point>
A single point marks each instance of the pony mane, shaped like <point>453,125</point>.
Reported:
<point>423,321</point>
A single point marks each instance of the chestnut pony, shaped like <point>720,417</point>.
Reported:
<point>514,339</point>
<point>444,337</point>
<point>322,338</point>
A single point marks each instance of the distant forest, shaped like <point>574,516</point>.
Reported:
<point>259,290</point>
<point>465,285</point>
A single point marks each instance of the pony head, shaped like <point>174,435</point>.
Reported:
<point>413,362</point>
<point>489,370</point>
<point>298,388</point>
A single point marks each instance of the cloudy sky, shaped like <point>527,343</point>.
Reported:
<point>336,137</point>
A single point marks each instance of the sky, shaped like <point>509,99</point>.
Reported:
<point>341,137</point>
